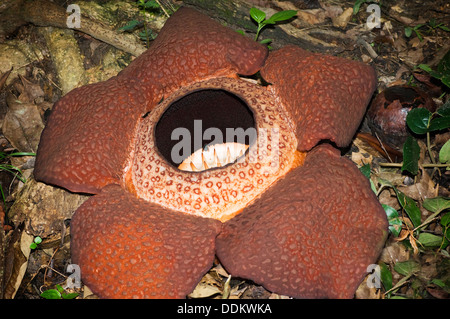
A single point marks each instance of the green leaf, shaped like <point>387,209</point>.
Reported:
<point>437,204</point>
<point>439,123</point>
<point>395,223</point>
<point>265,41</point>
<point>444,153</point>
<point>357,5</point>
<point>443,27</point>
<point>130,25</point>
<point>425,67</point>
<point>445,79</point>
<point>430,240</point>
<point>385,183</point>
<point>33,246</point>
<point>438,282</point>
<point>257,15</point>
<point>411,154</point>
<point>70,295</point>
<point>151,4</point>
<point>418,120</point>
<point>147,34</point>
<point>446,236</point>
<point>60,289</point>
<point>365,170</point>
<point>51,294</point>
<point>407,268</point>
<point>410,207</point>
<point>408,31</point>
<point>386,276</point>
<point>281,16</point>
<point>22,154</point>
<point>432,23</point>
<point>445,220</point>
<point>443,70</point>
<point>408,204</point>
<point>443,66</point>
<point>240,32</point>
<point>419,35</point>
<point>428,69</point>
<point>38,240</point>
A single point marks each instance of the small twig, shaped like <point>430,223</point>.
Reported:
<point>400,283</point>
<point>163,9</point>
<point>37,273</point>
<point>423,165</point>
<point>429,148</point>
<point>429,220</point>
<point>226,289</point>
<point>383,148</point>
<point>368,47</point>
<point>48,265</point>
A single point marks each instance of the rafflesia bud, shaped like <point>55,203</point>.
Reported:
<point>387,112</point>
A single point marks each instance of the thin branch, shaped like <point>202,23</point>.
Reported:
<point>423,165</point>
<point>163,9</point>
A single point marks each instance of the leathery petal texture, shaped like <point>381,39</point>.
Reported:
<point>323,94</point>
<point>310,232</point>
<point>312,235</point>
<point>80,149</point>
<point>130,248</point>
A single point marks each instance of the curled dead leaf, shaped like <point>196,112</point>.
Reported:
<point>22,124</point>
<point>394,252</point>
<point>342,20</point>
<point>4,77</point>
<point>16,261</point>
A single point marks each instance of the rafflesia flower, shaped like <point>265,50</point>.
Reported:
<point>270,195</point>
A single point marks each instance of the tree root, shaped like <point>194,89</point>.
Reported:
<point>15,13</point>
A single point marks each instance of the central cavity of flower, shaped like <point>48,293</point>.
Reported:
<point>211,148</point>
<point>205,129</point>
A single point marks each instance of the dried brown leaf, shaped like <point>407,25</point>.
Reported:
<point>342,20</point>
<point>22,125</point>
<point>394,252</point>
<point>4,77</point>
<point>438,293</point>
<point>29,91</point>
<point>204,290</point>
<point>422,189</point>
<point>16,262</point>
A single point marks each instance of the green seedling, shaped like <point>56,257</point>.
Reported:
<point>423,122</point>
<point>4,157</point>
<point>37,240</point>
<point>58,293</point>
<point>260,18</point>
<point>144,7</point>
<point>358,4</point>
<point>442,71</point>
<point>429,26</point>
<point>419,237</point>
